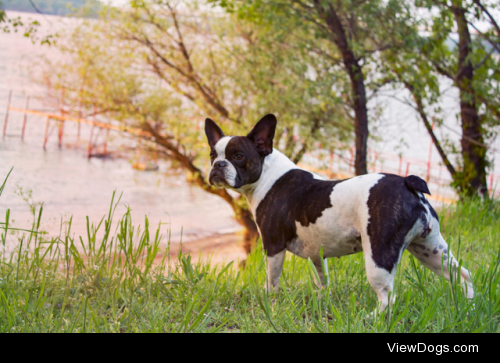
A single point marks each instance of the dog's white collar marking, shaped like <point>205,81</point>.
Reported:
<point>275,165</point>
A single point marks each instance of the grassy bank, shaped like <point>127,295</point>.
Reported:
<point>124,282</point>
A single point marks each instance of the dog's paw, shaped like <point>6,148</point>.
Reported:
<point>271,290</point>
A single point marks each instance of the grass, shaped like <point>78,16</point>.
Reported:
<point>124,282</point>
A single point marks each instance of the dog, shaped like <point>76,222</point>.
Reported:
<point>301,212</point>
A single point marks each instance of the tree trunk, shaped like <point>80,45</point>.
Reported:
<point>473,178</point>
<point>251,235</point>
<point>358,91</point>
<point>361,116</point>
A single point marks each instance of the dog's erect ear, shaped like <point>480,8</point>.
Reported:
<point>262,134</point>
<point>214,133</point>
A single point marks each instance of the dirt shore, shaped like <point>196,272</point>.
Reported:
<point>222,248</point>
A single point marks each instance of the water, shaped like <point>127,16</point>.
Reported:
<point>69,184</point>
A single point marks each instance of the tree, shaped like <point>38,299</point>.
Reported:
<point>381,43</point>
<point>357,37</point>
<point>421,63</point>
<point>165,66</point>
<point>9,25</point>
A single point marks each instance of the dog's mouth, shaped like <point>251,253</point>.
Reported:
<point>218,181</point>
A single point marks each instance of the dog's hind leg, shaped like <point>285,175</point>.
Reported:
<point>433,252</point>
<point>381,279</point>
<point>382,255</point>
<point>382,282</point>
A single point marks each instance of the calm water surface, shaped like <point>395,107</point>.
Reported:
<point>71,185</point>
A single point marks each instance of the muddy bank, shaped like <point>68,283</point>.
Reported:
<point>220,248</point>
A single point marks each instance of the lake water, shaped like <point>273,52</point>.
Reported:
<point>70,184</point>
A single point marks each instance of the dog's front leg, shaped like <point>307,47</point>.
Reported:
<point>274,269</point>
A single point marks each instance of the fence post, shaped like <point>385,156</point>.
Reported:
<point>25,118</point>
<point>61,123</point>
<point>375,155</point>
<point>407,168</point>
<point>46,134</point>
<point>330,168</point>
<point>79,113</point>
<point>89,148</point>
<point>105,145</point>
<point>7,114</point>
<point>60,133</point>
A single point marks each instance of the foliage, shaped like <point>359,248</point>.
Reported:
<point>412,47</point>
<point>136,62</point>
<point>8,25</point>
<point>126,281</point>
<point>29,28</point>
<point>166,66</point>
<point>429,65</point>
<point>474,71</point>
<point>356,31</point>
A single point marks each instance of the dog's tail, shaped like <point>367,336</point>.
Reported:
<point>416,184</point>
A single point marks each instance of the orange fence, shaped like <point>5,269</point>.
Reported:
<point>331,163</point>
<point>340,164</point>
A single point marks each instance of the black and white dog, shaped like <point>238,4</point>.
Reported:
<point>297,211</point>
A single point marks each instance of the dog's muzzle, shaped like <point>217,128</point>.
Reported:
<point>218,174</point>
<point>217,180</point>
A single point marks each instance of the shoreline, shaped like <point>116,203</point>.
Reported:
<point>218,248</point>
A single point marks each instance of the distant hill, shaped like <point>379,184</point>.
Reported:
<point>51,7</point>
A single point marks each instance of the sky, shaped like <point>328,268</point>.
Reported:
<point>481,25</point>
<point>116,2</point>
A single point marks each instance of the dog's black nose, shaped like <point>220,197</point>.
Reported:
<point>220,164</point>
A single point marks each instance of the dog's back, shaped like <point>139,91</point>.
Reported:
<point>302,213</point>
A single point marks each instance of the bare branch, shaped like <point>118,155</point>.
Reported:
<point>492,20</point>
<point>423,115</point>
<point>484,36</point>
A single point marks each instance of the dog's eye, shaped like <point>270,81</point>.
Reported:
<point>238,157</point>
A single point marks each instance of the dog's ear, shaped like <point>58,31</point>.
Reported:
<point>262,134</point>
<point>214,133</point>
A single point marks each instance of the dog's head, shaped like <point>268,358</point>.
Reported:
<point>237,160</point>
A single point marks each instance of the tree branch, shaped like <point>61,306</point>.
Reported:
<point>187,164</point>
<point>492,43</point>
<point>492,20</point>
<point>423,115</point>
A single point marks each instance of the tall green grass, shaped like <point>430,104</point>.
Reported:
<point>126,281</point>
